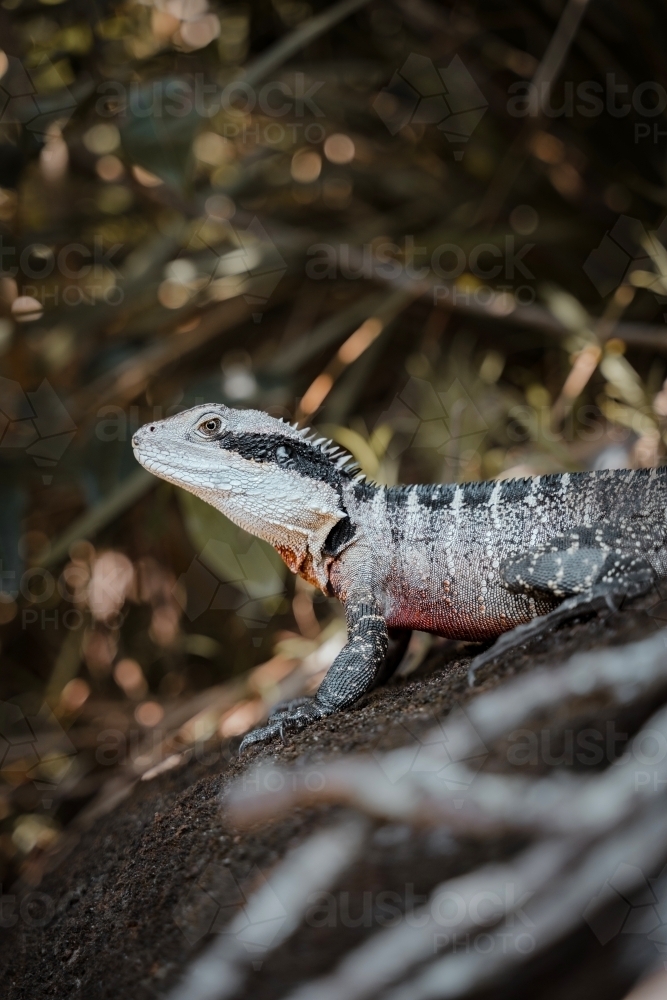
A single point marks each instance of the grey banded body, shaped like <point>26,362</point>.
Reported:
<point>467,561</point>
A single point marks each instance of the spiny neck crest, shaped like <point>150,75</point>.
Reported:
<point>288,447</point>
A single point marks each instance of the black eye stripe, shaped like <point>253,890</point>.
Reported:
<point>297,456</point>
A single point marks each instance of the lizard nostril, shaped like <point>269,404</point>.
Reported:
<point>152,427</point>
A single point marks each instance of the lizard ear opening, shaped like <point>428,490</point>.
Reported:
<point>340,536</point>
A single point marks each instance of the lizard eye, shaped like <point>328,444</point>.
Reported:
<point>283,454</point>
<point>209,427</point>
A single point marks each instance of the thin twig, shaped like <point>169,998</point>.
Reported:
<point>307,32</point>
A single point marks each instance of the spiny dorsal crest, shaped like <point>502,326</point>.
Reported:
<point>334,452</point>
<point>298,449</point>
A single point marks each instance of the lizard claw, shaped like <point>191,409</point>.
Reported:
<point>283,708</point>
<point>610,600</point>
<point>288,717</point>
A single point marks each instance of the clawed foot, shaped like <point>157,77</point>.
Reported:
<point>569,609</point>
<point>283,708</point>
<point>285,718</point>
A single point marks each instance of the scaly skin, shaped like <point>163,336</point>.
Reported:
<point>468,561</point>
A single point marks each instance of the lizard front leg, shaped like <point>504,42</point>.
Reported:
<point>354,672</point>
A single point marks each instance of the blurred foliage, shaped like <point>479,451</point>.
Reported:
<point>340,214</point>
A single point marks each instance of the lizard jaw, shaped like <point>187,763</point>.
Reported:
<point>286,505</point>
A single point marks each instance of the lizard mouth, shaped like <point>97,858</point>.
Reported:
<point>153,465</point>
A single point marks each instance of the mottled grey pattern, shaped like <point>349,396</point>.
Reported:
<point>468,561</point>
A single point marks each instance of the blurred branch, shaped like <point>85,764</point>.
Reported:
<point>382,305</point>
<point>279,53</point>
<point>543,79</point>
<point>67,664</point>
<point>304,874</point>
<point>499,308</point>
<point>133,375</point>
<point>559,46</point>
<point>98,517</point>
<point>328,332</point>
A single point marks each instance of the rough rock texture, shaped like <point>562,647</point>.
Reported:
<point>136,897</point>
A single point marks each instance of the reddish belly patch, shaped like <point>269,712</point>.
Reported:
<point>453,623</point>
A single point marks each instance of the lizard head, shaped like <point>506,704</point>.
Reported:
<point>272,479</point>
